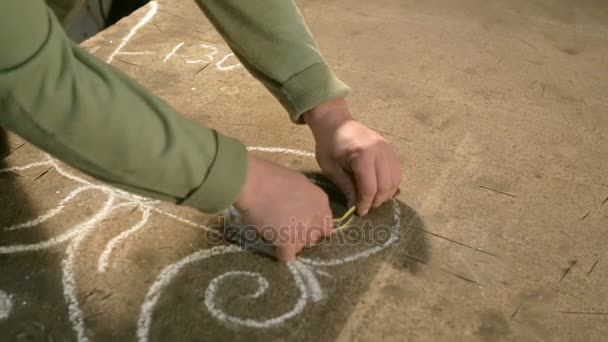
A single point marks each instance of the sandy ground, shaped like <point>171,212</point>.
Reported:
<point>498,111</point>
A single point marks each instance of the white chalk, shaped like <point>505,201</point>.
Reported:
<point>221,67</point>
<point>50,213</point>
<point>172,52</point>
<point>104,258</point>
<point>219,314</point>
<point>142,22</point>
<point>164,278</point>
<point>6,305</point>
<point>70,289</point>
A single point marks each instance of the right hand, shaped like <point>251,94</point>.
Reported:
<point>288,210</point>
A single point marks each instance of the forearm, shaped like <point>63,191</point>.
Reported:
<point>271,39</point>
<point>88,114</point>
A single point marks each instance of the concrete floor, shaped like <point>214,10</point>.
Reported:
<point>498,111</point>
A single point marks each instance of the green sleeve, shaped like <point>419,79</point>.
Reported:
<point>91,116</point>
<point>271,39</point>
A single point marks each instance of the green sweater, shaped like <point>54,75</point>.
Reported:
<point>93,117</point>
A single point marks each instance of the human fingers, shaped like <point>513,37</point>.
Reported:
<point>364,171</point>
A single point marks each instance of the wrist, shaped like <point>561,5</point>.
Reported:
<point>247,195</point>
<point>329,114</point>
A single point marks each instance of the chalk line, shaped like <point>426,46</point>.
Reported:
<point>56,240</point>
<point>229,67</point>
<point>209,55</point>
<point>26,167</point>
<point>66,174</point>
<point>323,273</point>
<point>121,193</point>
<point>183,220</point>
<point>6,305</point>
<point>312,284</point>
<point>104,258</point>
<point>220,315</point>
<point>142,22</point>
<point>263,284</point>
<point>135,53</point>
<point>170,54</point>
<point>50,213</point>
<point>164,278</point>
<point>280,150</point>
<point>68,279</point>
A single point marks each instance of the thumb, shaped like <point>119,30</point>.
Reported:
<point>345,183</point>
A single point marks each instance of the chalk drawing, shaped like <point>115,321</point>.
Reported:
<point>312,284</point>
<point>164,278</point>
<point>68,280</point>
<point>172,52</point>
<point>50,213</point>
<point>151,13</point>
<point>221,67</point>
<point>6,305</point>
<point>215,311</point>
<point>104,259</point>
<point>304,271</point>
<point>135,53</point>
<point>210,55</point>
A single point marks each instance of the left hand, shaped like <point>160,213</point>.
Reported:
<point>360,161</point>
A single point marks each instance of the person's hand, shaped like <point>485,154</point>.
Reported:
<point>288,210</point>
<point>360,161</point>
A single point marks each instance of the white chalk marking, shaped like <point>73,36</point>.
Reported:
<point>263,284</point>
<point>193,88</point>
<point>135,53</point>
<point>6,305</point>
<point>316,293</point>
<point>23,168</point>
<point>209,56</point>
<point>70,290</point>
<point>220,315</point>
<point>302,271</point>
<point>50,213</point>
<point>104,259</point>
<point>323,273</point>
<point>170,54</point>
<point>66,174</point>
<point>142,22</point>
<point>280,150</point>
<point>183,220</point>
<point>229,67</point>
<point>164,278</point>
<point>71,233</point>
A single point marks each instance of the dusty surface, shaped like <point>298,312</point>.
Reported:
<point>500,116</point>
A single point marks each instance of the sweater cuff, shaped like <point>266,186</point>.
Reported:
<point>309,88</point>
<point>224,180</point>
